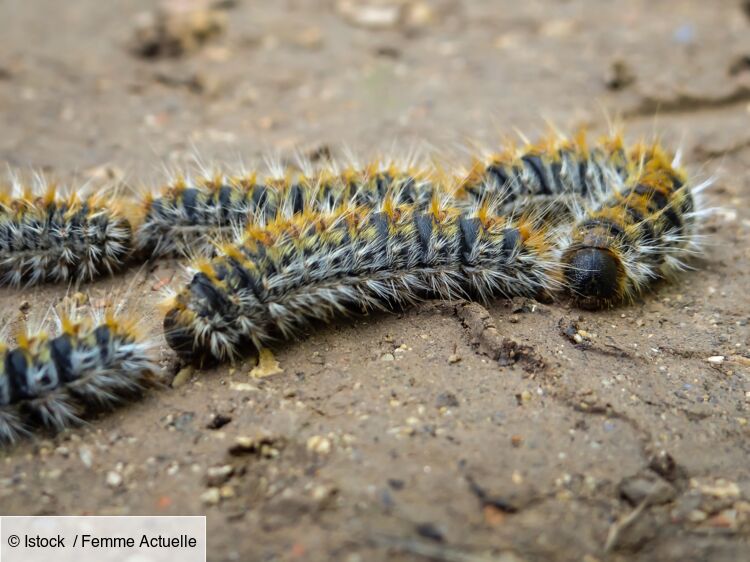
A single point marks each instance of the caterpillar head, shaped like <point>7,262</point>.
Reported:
<point>204,324</point>
<point>593,276</point>
<point>191,328</point>
<point>180,336</point>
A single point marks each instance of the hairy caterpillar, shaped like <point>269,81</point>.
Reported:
<point>556,174</point>
<point>643,231</point>
<point>317,266</point>
<point>190,215</point>
<point>45,236</point>
<point>50,381</point>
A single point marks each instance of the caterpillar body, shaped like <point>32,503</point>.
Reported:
<point>645,230</point>
<point>50,381</point>
<point>316,267</point>
<point>45,236</point>
<point>191,216</point>
<point>557,174</point>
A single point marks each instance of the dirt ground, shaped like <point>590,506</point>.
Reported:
<point>413,435</point>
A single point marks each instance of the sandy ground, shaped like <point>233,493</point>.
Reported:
<point>411,435</point>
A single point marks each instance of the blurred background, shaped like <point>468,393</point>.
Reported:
<point>134,84</point>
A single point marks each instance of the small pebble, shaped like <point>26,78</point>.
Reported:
<point>430,531</point>
<point>619,76</point>
<point>218,421</point>
<point>638,488</point>
<point>396,484</point>
<point>716,359</point>
<point>86,457</point>
<point>175,29</point>
<point>114,479</point>
<point>212,496</point>
<point>319,493</point>
<point>446,400</point>
<point>719,489</point>
<point>319,444</point>
<point>493,516</point>
<point>727,519</point>
<point>217,475</point>
<point>54,474</point>
<point>369,16</point>
<point>242,387</point>
<point>263,445</point>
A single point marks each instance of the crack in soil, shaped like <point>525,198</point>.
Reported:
<point>484,335</point>
<point>688,103</point>
<point>703,153</point>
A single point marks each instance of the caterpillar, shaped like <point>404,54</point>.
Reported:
<point>48,236</point>
<point>317,266</point>
<point>557,174</point>
<point>49,381</point>
<point>645,230</point>
<point>189,216</point>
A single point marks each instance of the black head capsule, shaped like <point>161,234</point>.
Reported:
<point>593,276</point>
<point>180,338</point>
